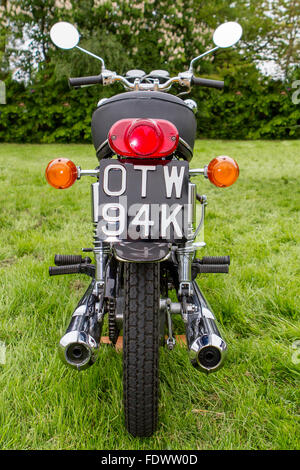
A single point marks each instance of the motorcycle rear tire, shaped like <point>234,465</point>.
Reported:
<point>141,341</point>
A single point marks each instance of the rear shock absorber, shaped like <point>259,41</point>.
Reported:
<point>101,249</point>
<point>185,256</point>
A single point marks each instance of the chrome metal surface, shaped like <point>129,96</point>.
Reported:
<point>183,142</point>
<point>185,79</point>
<point>208,352</point>
<point>138,85</point>
<point>174,307</point>
<point>95,202</point>
<point>108,77</point>
<point>197,171</point>
<point>81,172</point>
<point>185,256</point>
<point>104,144</point>
<point>92,55</point>
<point>101,252</point>
<point>101,249</point>
<point>79,346</point>
<point>192,105</point>
<point>191,217</point>
<point>135,73</point>
<point>200,57</point>
<point>100,102</point>
<point>207,349</point>
<point>198,245</point>
<point>78,350</point>
<point>203,204</point>
<point>170,340</point>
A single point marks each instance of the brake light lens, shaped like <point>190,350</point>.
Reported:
<point>61,173</point>
<point>143,138</point>
<point>223,171</point>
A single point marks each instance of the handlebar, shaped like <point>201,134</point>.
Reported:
<point>81,81</point>
<point>108,78</point>
<point>208,83</point>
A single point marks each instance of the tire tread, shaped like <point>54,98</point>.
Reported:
<point>141,348</point>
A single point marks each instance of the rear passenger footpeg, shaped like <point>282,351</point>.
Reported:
<point>63,260</point>
<point>211,264</point>
<point>72,264</point>
<point>214,260</point>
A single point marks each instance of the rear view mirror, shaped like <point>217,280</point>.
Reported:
<point>227,34</point>
<point>64,35</point>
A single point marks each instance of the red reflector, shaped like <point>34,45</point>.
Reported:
<point>143,138</point>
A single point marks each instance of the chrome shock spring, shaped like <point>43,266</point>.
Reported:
<point>101,249</point>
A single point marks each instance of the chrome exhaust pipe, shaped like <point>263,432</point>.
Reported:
<point>79,347</point>
<point>207,349</point>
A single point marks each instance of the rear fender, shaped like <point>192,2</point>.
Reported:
<point>141,252</point>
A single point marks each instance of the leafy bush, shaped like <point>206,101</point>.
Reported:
<point>250,107</point>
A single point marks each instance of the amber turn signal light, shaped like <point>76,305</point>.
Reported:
<point>223,171</point>
<point>61,173</point>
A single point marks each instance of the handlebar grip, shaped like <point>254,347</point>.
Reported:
<point>81,81</point>
<point>208,83</point>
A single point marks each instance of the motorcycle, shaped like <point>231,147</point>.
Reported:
<point>145,229</point>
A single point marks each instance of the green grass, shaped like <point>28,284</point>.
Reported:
<point>252,403</point>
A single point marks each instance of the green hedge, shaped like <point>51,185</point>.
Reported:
<point>250,107</point>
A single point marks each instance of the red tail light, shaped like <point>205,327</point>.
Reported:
<point>143,138</point>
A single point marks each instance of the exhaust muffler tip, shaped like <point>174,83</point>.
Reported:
<point>78,350</point>
<point>208,353</point>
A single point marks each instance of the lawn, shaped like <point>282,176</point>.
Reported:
<point>252,403</point>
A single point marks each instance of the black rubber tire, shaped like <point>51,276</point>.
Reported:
<point>141,336</point>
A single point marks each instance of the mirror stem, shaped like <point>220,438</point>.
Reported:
<point>200,57</point>
<point>92,55</point>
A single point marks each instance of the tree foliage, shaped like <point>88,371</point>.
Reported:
<point>249,108</point>
<point>3,39</point>
<point>149,34</point>
<point>286,41</point>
